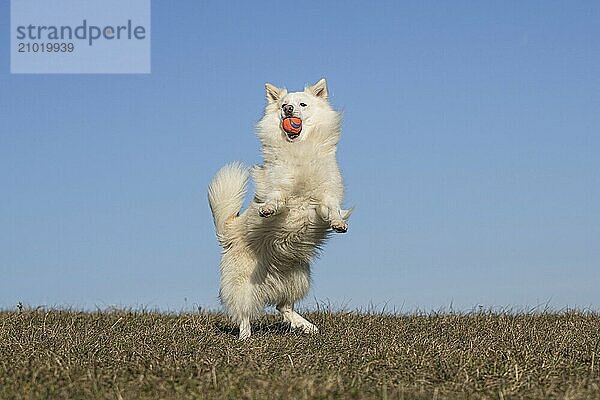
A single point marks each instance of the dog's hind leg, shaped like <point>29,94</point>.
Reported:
<point>238,293</point>
<point>295,320</point>
<point>245,330</point>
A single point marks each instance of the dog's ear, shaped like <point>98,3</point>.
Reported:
<point>274,93</point>
<point>319,89</point>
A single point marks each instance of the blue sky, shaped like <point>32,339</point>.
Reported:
<point>470,150</point>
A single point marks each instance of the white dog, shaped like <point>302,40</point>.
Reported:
<point>268,248</point>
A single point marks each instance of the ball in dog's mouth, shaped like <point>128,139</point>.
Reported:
<point>292,127</point>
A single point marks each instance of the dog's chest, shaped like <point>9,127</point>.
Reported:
<point>305,179</point>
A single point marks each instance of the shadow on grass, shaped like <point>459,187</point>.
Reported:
<point>262,328</point>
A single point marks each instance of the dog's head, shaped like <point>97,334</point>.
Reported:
<point>295,116</point>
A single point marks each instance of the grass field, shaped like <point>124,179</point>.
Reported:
<point>54,354</point>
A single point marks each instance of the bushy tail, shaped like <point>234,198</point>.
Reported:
<point>226,195</point>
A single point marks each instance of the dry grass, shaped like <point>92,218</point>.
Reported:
<point>54,354</point>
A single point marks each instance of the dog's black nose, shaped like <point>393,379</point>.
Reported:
<point>288,109</point>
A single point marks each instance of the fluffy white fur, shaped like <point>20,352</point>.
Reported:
<point>267,249</point>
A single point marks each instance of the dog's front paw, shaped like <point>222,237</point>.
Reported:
<point>340,226</point>
<point>266,210</point>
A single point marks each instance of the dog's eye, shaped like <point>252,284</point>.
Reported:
<point>303,104</point>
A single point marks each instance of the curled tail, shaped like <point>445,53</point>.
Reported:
<point>226,195</point>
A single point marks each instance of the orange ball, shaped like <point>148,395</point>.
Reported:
<point>292,125</point>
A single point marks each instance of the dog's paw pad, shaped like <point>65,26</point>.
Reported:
<point>266,211</point>
<point>339,226</point>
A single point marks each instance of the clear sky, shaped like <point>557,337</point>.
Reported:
<point>470,149</point>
